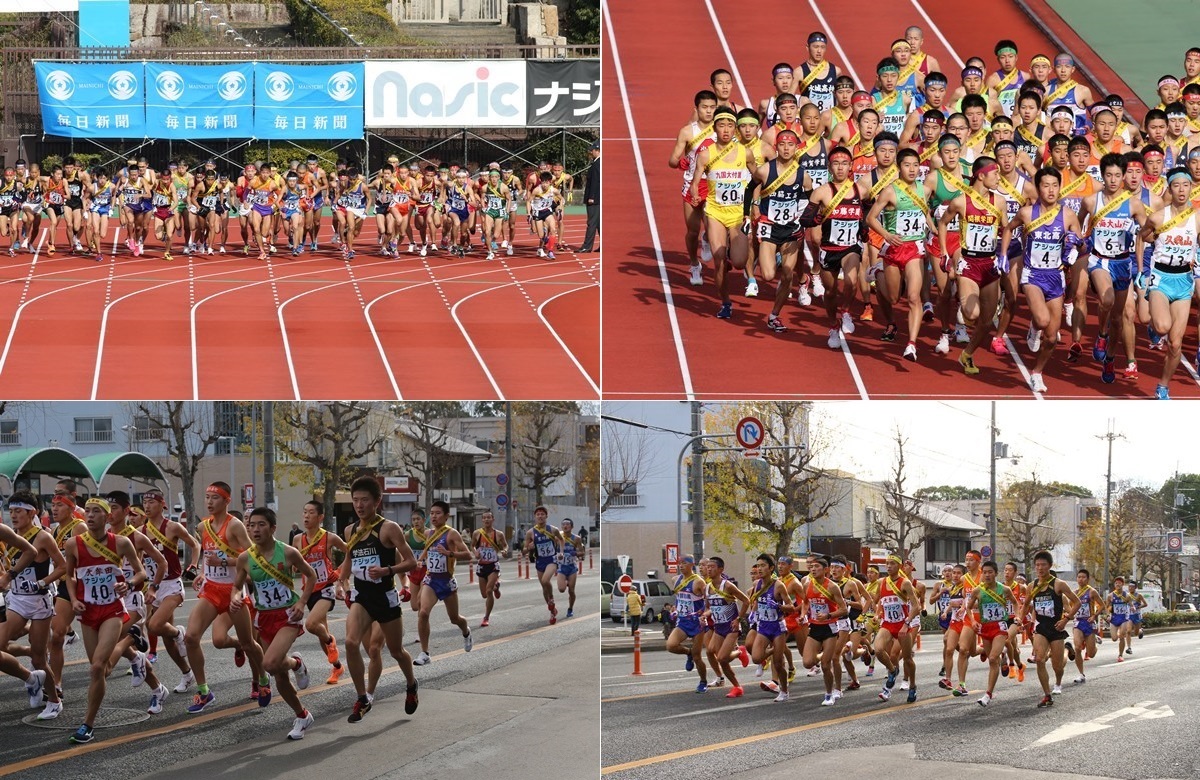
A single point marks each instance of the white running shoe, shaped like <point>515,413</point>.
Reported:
<point>818,288</point>
<point>187,681</point>
<point>411,247</point>
<point>985,699</point>
<point>705,249</point>
<point>1036,383</point>
<point>157,697</point>
<point>508,251</point>
<point>300,672</point>
<point>847,322</point>
<point>828,701</point>
<point>53,710</point>
<point>504,244</point>
<point>751,287</point>
<point>904,685</point>
<point>960,334</point>
<point>424,250</point>
<point>422,659</point>
<point>1081,679</point>
<point>468,642</point>
<point>943,345</point>
<point>802,296</point>
<point>910,352</point>
<point>491,255</point>
<point>1056,690</point>
<point>758,670</point>
<point>138,667</point>
<point>813,672</point>
<point>541,252</point>
<point>1033,339</point>
<point>783,696</point>
<point>33,686</point>
<point>697,279</point>
<point>180,641</point>
<point>835,339</point>
<point>1068,313</point>
<point>837,693</point>
<point>300,725</point>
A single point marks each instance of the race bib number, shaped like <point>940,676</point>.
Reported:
<point>764,231</point>
<point>818,611</point>
<point>436,563</point>
<point>360,565</point>
<point>494,203</point>
<point>1043,606</point>
<point>99,584</point>
<point>819,176</point>
<point>319,568</point>
<point>161,200</point>
<point>427,197</point>
<point>993,612</point>
<point>783,212</point>
<point>151,568</point>
<point>685,607</point>
<point>56,198</point>
<point>910,223</point>
<point>488,555</point>
<point>1109,241</point>
<point>25,582</point>
<point>402,197</point>
<point>893,609</point>
<point>981,239</point>
<point>210,202</point>
<point>724,613</point>
<point>271,595</point>
<point>545,549</point>
<point>766,613</point>
<point>1045,254</point>
<point>728,193</point>
<point>219,573</point>
<point>843,232</point>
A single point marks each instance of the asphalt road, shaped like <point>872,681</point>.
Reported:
<point>528,691</point>
<point>1131,720</point>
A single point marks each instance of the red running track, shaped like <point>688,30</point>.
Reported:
<point>662,339</point>
<point>313,327</point>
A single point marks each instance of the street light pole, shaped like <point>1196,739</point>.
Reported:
<point>992,494</point>
<point>1110,436</point>
<point>231,441</point>
<point>679,480</point>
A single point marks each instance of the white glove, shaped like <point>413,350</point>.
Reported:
<point>194,209</point>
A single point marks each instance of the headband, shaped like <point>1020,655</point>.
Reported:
<point>840,153</point>
<point>20,505</point>
<point>1006,50</point>
<point>746,120</point>
<point>1190,98</point>
<point>1151,153</point>
<point>1165,80</point>
<point>785,98</point>
<point>1176,115</point>
<point>154,493</point>
<point>1062,110</point>
<point>860,96</point>
<point>937,117</point>
<point>1178,174</point>
<point>893,558</point>
<point>987,169</point>
<point>782,69</point>
<point>935,82</point>
<point>972,71</point>
<point>1194,152</point>
<point>1135,164</point>
<point>1005,145</point>
<point>1039,59</point>
<point>220,491</point>
<point>973,555</point>
<point>1060,142</point>
<point>887,69</point>
<point>99,502</point>
<point>1065,59</point>
<point>791,133</point>
<point>63,500</point>
<point>948,138</point>
<point>137,510</point>
<point>1116,101</point>
<point>882,141</point>
<point>816,37</point>
<point>901,45</point>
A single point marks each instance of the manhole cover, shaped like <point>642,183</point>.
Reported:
<point>109,717</point>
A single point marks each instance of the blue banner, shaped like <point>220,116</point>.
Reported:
<point>92,101</point>
<point>308,101</point>
<point>199,101</point>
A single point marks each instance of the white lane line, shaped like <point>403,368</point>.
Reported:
<point>737,76</point>
<point>557,338</point>
<point>1012,350</point>
<point>853,366</point>
<point>836,45</point>
<point>716,710</point>
<point>1129,661</point>
<point>658,252</point>
<point>938,32</point>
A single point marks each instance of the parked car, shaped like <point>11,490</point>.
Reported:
<point>657,595</point>
<point>1186,606</point>
<point>606,590</point>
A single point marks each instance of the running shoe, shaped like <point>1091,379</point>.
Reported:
<point>200,702</point>
<point>1100,349</point>
<point>422,659</point>
<point>1020,674</point>
<point>508,251</point>
<point>1129,651</point>
<point>828,701</point>
<point>783,696</point>
<point>335,674</point>
<point>835,339</point>
<point>847,322</point>
<point>83,735</point>
<point>717,683</point>
<point>1047,701</point>
<point>362,705</point>
<point>1120,658</point>
<point>751,287</point>
<point>912,695</point>
<point>743,656</point>
<point>483,623</point>
<point>1074,353</point>
<point>1108,371</point>
<point>570,612</point>
<point>689,664</point>
<point>1161,393</point>
<point>837,694</point>
<point>853,686</point>
<point>138,666</point>
<point>705,249</point>
<point>331,651</point>
<point>696,278</point>
<point>735,692</point>
<point>1036,383</point>
<point>885,694</point>
<point>239,658</point>
<point>985,700</point>
<point>1068,313</point>
<point>813,672</point>
<point>943,345</point>
<point>424,250</point>
<point>469,640</point>
<point>927,312</point>
<point>1156,339</point>
<point>139,640</point>
<point>868,314</point>
<point>770,686</point>
<point>968,364</point>
<point>99,258</point>
<point>942,672</point>
<point>497,590</point>
<point>910,352</point>
<point>818,287</point>
<point>33,687</point>
<point>792,674</point>
<point>960,334</point>
<point>960,690</point>
<point>156,700</point>
<point>802,296</point>
<point>726,311</point>
<point>300,725</point>
<point>301,672</point>
<point>1033,339</point>
<point>1070,650</point>
<point>946,684</point>
<point>152,658</point>
<point>51,712</point>
<point>1056,690</point>
<point>998,346</point>
<point>1080,680</point>
<point>1004,667</point>
<point>775,325</point>
<point>185,682</point>
<point>904,685</point>
<point>264,694</point>
<point>891,680</point>
<point>702,687</point>
<point>410,699</point>
<point>889,333</point>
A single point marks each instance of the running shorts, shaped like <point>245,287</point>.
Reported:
<point>166,589</point>
<point>462,214</point>
<point>1176,286</point>
<point>1052,282</point>
<point>690,626</point>
<point>1136,619</point>
<point>542,563</point>
<point>62,592</point>
<point>218,594</point>
<point>1119,269</point>
<point>843,624</point>
<point>383,608</point>
<point>770,628</point>
<point>270,621</point>
<point>290,210</point>
<point>792,623</point>
<point>94,616</point>
<point>494,214</point>
<point>953,244</point>
<point>55,208</point>
<point>895,629</point>
<point>135,603</point>
<point>443,587</point>
<point>485,570</point>
<point>957,625</point>
<point>263,210</point>
<point>327,593</point>
<point>989,631</point>
<point>567,569</point>
<point>37,606</point>
<point>901,256</point>
<point>162,213</point>
<point>542,216</point>
<point>416,576</point>
<point>981,270</point>
<point>728,216</point>
<point>777,234</point>
<point>1117,620</point>
<point>402,208</point>
<point>725,629</point>
<point>831,258</point>
<point>874,239</point>
<point>821,631</point>
<point>1046,628</point>
<point>1085,627</point>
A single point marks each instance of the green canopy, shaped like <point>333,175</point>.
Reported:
<point>130,465</point>
<point>42,460</point>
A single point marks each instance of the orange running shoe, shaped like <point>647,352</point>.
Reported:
<point>1020,674</point>
<point>331,651</point>
<point>868,315</point>
<point>50,250</point>
<point>335,675</point>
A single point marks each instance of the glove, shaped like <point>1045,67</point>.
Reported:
<point>1001,265</point>
<point>915,622</point>
<point>746,226</point>
<point>194,209</point>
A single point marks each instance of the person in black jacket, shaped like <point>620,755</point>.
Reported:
<point>591,197</point>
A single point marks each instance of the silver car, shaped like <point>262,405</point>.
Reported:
<point>656,594</point>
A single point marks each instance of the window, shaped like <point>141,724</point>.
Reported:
<point>93,430</point>
<point>657,588</point>
<point>146,430</point>
<point>461,477</point>
<point>9,432</point>
<point>942,550</point>
<point>621,494</point>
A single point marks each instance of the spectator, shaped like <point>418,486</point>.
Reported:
<point>295,531</point>
<point>633,606</point>
<point>591,197</point>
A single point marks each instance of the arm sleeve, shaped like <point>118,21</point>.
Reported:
<point>811,216</point>
<point>748,197</point>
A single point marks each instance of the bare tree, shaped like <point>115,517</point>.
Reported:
<point>1026,519</point>
<point>424,436</point>
<point>624,463</point>
<point>541,432</point>
<point>332,438</point>
<point>189,431</point>
<point>901,526</point>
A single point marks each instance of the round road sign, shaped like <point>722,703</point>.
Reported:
<point>502,500</point>
<point>625,584</point>
<point>986,552</point>
<point>750,432</point>
<point>502,479</point>
<point>1174,542</point>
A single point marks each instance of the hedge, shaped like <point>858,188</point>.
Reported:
<point>367,20</point>
<point>82,160</point>
<point>1162,619</point>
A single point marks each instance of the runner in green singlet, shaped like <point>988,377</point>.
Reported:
<point>992,602</point>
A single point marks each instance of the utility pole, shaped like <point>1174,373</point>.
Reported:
<point>992,493</point>
<point>1110,436</point>
<point>268,454</point>
<point>508,434</point>
<point>697,474</point>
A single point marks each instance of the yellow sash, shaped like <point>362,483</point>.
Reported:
<point>1013,192</point>
<point>887,178</point>
<point>1177,220</point>
<point>1074,185</point>
<point>716,156</point>
<point>908,70</point>
<point>778,181</point>
<point>1111,206</point>
<point>270,569</point>
<point>820,588</point>
<point>917,199</point>
<point>838,197</point>
<point>1046,218</point>
<point>14,554</point>
<point>64,530</point>
<point>681,583</point>
<point>101,549</point>
<point>157,534</point>
<point>954,181</point>
<point>1060,90</point>
<point>222,545</point>
<point>316,540</point>
<point>881,104</point>
<point>813,75</point>
<point>364,530</point>
<point>985,204</point>
<point>699,137</point>
<point>1029,136</point>
<point>1008,79</point>
<point>976,137</point>
<point>928,154</point>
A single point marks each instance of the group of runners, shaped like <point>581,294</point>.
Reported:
<point>1010,189</point>
<point>426,206</point>
<point>837,620</point>
<point>118,570</point>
